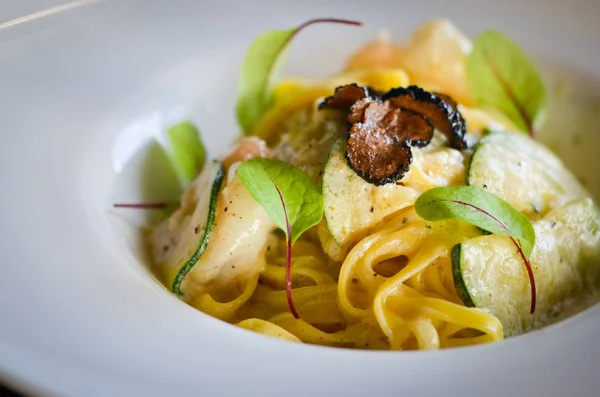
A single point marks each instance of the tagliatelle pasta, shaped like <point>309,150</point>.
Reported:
<point>415,308</point>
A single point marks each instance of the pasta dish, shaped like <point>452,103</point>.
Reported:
<point>400,204</point>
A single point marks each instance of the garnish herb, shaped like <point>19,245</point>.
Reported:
<point>185,154</point>
<point>254,93</point>
<point>501,76</point>
<point>484,210</point>
<point>291,199</point>
<point>188,152</point>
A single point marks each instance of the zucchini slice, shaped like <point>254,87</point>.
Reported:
<point>353,206</point>
<point>179,242</point>
<point>490,274</point>
<point>523,172</point>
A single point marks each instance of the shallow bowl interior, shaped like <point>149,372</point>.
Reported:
<point>85,90</point>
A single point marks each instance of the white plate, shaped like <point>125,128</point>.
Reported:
<point>82,87</point>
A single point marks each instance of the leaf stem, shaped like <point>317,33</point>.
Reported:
<point>288,256</point>
<point>288,277</point>
<point>332,20</point>
<point>529,273</point>
<point>142,206</point>
<point>510,94</point>
<point>312,22</point>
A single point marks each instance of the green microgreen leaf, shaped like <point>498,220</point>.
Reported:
<point>484,210</point>
<point>254,92</point>
<point>187,150</point>
<point>289,196</point>
<point>477,207</point>
<point>501,76</point>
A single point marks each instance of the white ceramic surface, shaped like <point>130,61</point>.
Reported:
<point>84,86</point>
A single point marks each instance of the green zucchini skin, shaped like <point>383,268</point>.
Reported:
<point>205,239</point>
<point>459,282</point>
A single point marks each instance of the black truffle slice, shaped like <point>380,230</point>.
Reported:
<point>380,137</point>
<point>440,109</point>
<point>345,96</point>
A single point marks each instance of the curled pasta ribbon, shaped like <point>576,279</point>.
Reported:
<point>225,310</point>
<point>439,309</point>
<point>308,333</point>
<point>423,284</point>
<point>395,327</point>
<point>267,328</point>
<point>425,332</point>
<point>398,308</point>
<point>405,241</point>
<point>400,237</point>
<point>315,304</point>
<point>363,334</point>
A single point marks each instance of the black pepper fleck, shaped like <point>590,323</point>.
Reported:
<point>225,210</point>
<point>372,209</point>
<point>196,229</point>
<point>553,224</point>
<point>166,248</point>
<point>485,186</point>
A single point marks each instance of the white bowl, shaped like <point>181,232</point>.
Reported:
<point>83,86</point>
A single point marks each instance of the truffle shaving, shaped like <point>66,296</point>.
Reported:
<point>439,109</point>
<point>380,137</point>
<point>345,96</point>
<point>384,127</point>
